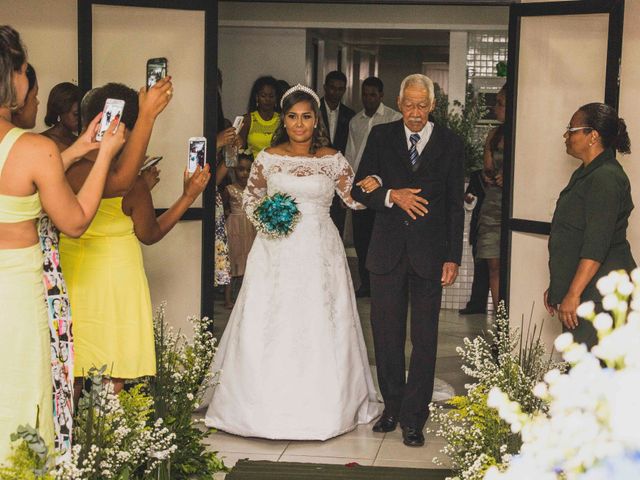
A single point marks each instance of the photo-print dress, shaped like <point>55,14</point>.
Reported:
<point>293,359</point>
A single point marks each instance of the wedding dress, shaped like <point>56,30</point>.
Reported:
<point>292,359</point>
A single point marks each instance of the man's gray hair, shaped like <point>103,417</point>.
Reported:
<point>417,79</point>
<point>84,108</point>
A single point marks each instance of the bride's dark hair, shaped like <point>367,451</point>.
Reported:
<point>320,137</point>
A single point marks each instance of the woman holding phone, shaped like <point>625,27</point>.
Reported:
<point>108,289</point>
<point>32,178</point>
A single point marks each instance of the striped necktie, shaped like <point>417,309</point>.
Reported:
<point>414,138</point>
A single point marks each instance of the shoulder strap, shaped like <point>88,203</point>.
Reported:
<point>7,142</point>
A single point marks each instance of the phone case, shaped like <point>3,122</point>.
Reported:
<point>112,111</point>
<point>156,69</point>
<point>197,153</point>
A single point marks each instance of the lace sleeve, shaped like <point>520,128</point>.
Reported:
<point>344,183</point>
<point>256,188</point>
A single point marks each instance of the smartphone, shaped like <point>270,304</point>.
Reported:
<point>150,163</point>
<point>156,69</point>
<point>113,108</point>
<point>197,153</point>
<point>237,123</point>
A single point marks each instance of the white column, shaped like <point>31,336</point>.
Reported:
<point>457,66</point>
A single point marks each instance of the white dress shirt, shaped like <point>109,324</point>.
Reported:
<point>332,116</point>
<point>359,128</point>
<point>425,135</point>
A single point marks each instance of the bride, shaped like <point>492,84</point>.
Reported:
<point>293,360</point>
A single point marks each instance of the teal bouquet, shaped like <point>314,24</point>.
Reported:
<point>276,215</point>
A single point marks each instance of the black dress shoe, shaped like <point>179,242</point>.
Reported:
<point>386,423</point>
<point>363,292</point>
<point>412,437</point>
<point>471,311</point>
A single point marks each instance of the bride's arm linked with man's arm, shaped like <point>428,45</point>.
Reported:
<point>344,184</point>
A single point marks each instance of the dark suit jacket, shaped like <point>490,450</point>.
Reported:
<point>431,240</point>
<point>345,114</point>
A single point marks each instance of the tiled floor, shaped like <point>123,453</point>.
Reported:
<point>361,445</point>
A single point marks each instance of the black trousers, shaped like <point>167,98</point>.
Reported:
<point>480,285</point>
<point>391,294</point>
<point>362,229</point>
<point>338,213</point>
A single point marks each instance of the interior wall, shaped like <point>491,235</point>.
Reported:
<point>52,43</point>
<point>246,53</point>
<point>123,39</point>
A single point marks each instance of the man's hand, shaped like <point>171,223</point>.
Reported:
<point>368,184</point>
<point>449,274</point>
<point>408,200</point>
<point>567,311</point>
<point>551,309</point>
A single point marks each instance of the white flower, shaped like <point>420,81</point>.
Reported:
<point>635,275</point>
<point>540,390</point>
<point>610,302</point>
<point>586,309</point>
<point>603,322</point>
<point>625,287</point>
<point>575,353</point>
<point>606,285</point>
<point>563,341</point>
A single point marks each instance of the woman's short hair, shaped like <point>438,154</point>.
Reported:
<point>320,136</point>
<point>12,57</point>
<point>419,80</point>
<point>94,101</point>
<point>61,99</point>
<point>258,85</point>
<point>604,119</point>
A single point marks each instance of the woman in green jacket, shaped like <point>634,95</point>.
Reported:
<point>589,228</point>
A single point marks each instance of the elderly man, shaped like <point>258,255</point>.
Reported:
<point>415,248</point>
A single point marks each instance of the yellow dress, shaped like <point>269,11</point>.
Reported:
<point>25,375</point>
<point>109,295</point>
<point>261,132</point>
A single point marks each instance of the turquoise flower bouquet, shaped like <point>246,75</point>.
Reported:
<point>276,215</point>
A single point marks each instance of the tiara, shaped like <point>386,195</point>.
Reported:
<point>299,88</point>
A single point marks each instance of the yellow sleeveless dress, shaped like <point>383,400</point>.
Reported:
<point>25,375</point>
<point>261,132</point>
<point>109,295</point>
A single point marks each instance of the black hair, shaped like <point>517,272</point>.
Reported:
<point>245,156</point>
<point>258,85</point>
<point>335,75</point>
<point>32,78</point>
<point>612,129</point>
<point>95,103</point>
<point>12,56</point>
<point>320,137</point>
<point>373,82</point>
<point>281,87</point>
<point>61,99</point>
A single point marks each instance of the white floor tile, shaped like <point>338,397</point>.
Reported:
<point>225,442</point>
<point>340,447</point>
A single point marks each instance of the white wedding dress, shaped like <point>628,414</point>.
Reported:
<point>292,358</point>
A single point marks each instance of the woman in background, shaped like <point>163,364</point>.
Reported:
<point>262,120</point>
<point>588,236</point>
<point>63,114</point>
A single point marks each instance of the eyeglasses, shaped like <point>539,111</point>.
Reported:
<point>569,129</point>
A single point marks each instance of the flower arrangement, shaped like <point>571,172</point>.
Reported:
<point>463,120</point>
<point>590,431</point>
<point>276,215</point>
<point>476,436</point>
<point>183,374</point>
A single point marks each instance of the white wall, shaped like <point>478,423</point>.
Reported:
<point>51,41</point>
<point>247,53</point>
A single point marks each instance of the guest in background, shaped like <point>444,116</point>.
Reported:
<point>63,114</point>
<point>490,218</point>
<point>32,178</point>
<point>25,116</point>
<point>261,121</point>
<point>106,262</point>
<point>336,117</point>
<point>281,87</point>
<point>473,198</point>
<point>589,228</point>
<point>240,230</point>
<point>374,113</point>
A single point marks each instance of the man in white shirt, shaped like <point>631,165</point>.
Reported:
<point>374,113</point>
